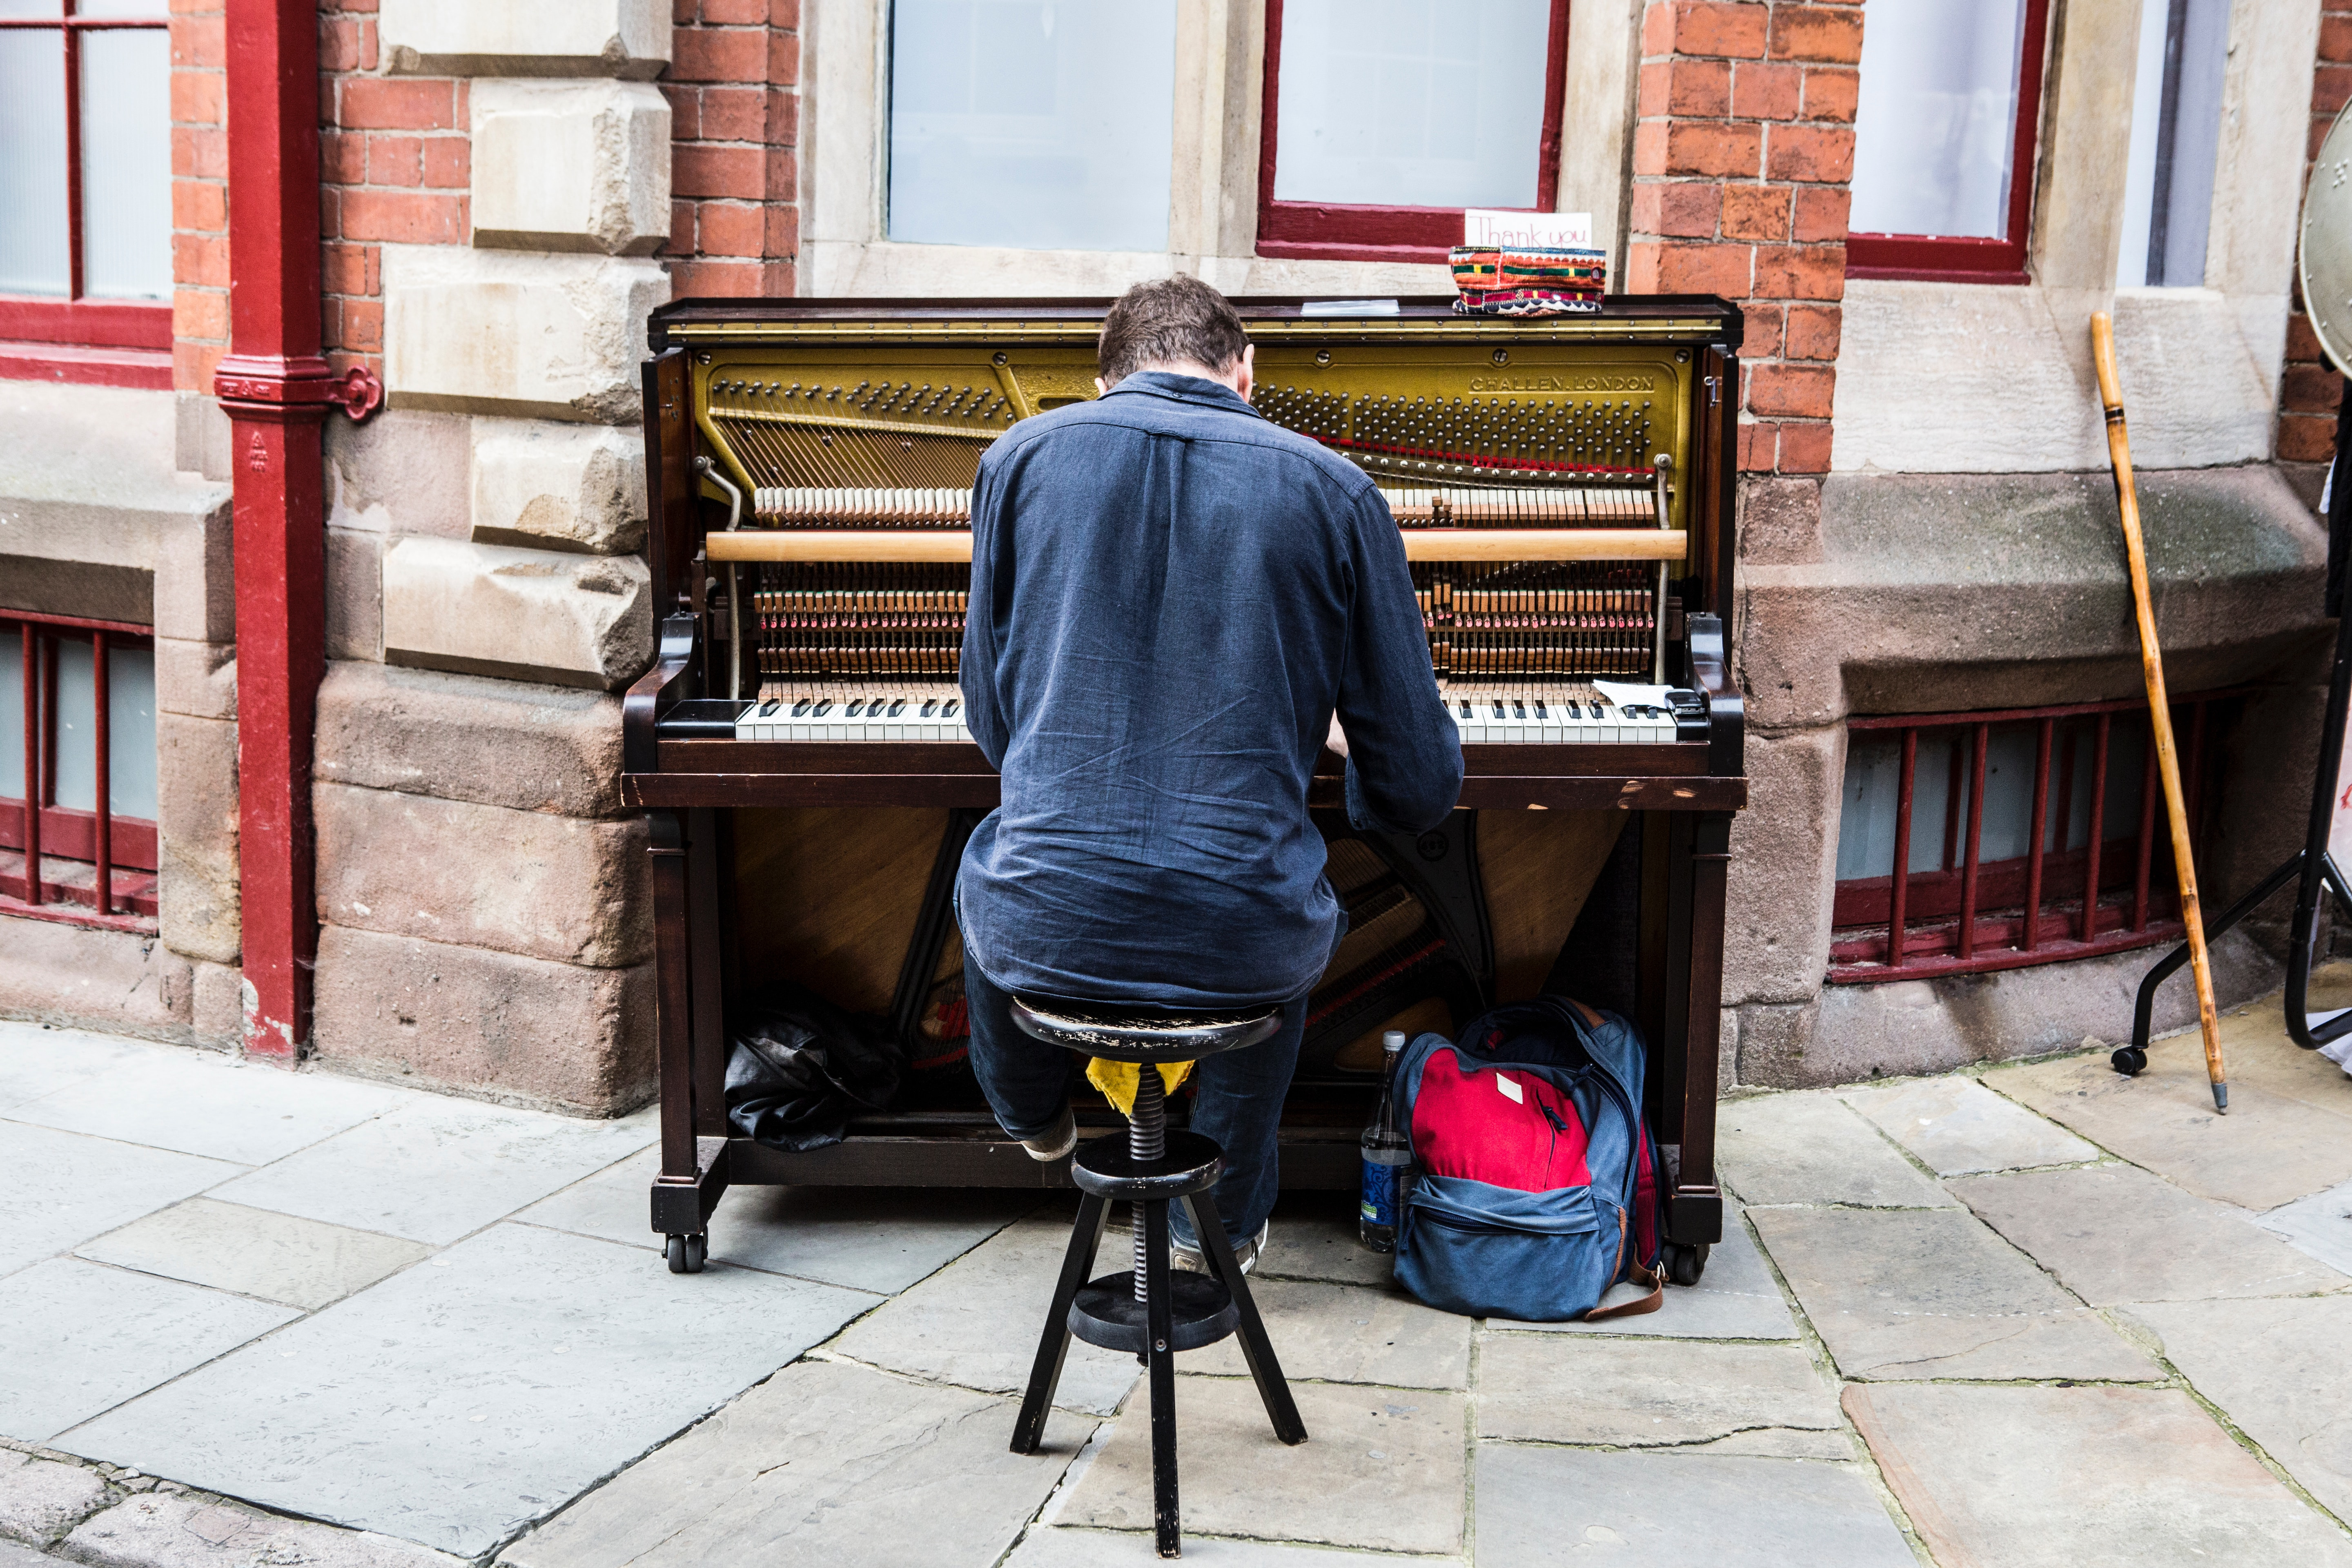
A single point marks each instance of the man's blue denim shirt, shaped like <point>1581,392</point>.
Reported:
<point>1169,596</point>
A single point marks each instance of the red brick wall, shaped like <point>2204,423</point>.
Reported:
<point>2309,391</point>
<point>1743,151</point>
<point>733,87</point>
<point>199,191</point>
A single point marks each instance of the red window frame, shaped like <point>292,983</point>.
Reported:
<point>1944,259</point>
<point>1970,915</point>
<point>119,850</point>
<point>99,342</point>
<point>1338,231</point>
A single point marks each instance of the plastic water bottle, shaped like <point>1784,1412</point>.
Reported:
<point>1386,1152</point>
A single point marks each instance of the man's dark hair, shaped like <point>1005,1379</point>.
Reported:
<point>1168,322</point>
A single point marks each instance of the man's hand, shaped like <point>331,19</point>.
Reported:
<point>1338,739</point>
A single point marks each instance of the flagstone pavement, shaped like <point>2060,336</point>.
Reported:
<point>2033,1314</point>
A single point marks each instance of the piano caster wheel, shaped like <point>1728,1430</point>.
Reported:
<point>686,1253</point>
<point>1683,1265</point>
<point>2129,1060</point>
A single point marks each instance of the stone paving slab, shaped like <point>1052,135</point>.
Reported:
<point>2268,1151</point>
<point>35,1061</point>
<point>2280,1369</point>
<point>1957,1127</point>
<point>459,1401</point>
<point>2319,1225</point>
<point>210,1103</point>
<point>1382,1468</point>
<point>869,1238</point>
<point>977,1321</point>
<point>303,1263</point>
<point>12,1555</point>
<point>39,1498</point>
<point>1923,1294</point>
<point>1059,1548</point>
<point>81,1339</point>
<point>1648,1393</point>
<point>1349,1333</point>
<point>2058,1478</point>
<point>436,1169</point>
<point>1813,1148</point>
<point>1736,1298</point>
<point>825,1463</point>
<point>165,1531</point>
<point>2115,1233</point>
<point>1537,1507</point>
<point>1314,1237</point>
<point>63,1188</point>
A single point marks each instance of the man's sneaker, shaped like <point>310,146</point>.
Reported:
<point>1244,1253</point>
<point>1057,1141</point>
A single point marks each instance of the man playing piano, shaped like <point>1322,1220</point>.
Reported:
<point>1170,596</point>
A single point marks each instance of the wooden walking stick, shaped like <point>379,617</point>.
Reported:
<point>2159,711</point>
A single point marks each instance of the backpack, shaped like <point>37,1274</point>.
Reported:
<point>1534,1180</point>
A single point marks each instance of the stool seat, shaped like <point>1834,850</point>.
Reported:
<point>1126,1032</point>
<point>1108,1168</point>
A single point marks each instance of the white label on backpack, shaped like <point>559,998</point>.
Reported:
<point>1519,1095</point>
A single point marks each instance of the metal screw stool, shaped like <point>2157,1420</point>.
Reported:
<point>1151,1310</point>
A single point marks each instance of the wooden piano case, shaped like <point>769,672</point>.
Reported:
<point>1594,868</point>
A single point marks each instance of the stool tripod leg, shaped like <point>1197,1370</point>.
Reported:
<point>1257,1349</point>
<point>1046,1376</point>
<point>1159,1323</point>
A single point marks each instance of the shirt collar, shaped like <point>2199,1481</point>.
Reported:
<point>1182,388</point>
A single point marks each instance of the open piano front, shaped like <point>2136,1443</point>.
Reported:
<point>1564,486</point>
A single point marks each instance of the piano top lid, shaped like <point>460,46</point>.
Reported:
<point>1622,318</point>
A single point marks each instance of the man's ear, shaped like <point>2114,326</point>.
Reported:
<point>1099,388</point>
<point>1248,377</point>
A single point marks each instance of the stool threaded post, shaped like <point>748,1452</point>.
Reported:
<point>1147,1139</point>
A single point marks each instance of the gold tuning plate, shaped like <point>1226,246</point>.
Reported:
<point>1420,544</point>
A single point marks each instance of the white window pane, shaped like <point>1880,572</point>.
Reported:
<point>1411,102</point>
<point>12,9</point>
<point>131,731</point>
<point>124,10</point>
<point>1040,124</point>
<point>1938,117</point>
<point>12,713</point>
<point>126,164</point>
<point>2168,185</point>
<point>1873,785</point>
<point>34,255</point>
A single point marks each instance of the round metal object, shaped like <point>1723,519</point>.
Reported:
<point>1122,1033</point>
<point>2323,249</point>
<point>1105,1313</point>
<point>1108,1168</point>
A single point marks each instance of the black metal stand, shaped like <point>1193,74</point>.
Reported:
<point>2312,868</point>
<point>1150,1311</point>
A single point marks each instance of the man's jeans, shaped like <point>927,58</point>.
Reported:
<point>1237,1098</point>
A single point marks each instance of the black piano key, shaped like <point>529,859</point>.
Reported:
<point>769,706</point>
<point>824,707</point>
<point>897,708</point>
<point>948,711</point>
<point>800,708</point>
<point>854,704</point>
<point>931,706</point>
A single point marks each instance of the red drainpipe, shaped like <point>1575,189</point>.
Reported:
<point>273,387</point>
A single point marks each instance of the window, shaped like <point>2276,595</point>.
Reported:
<point>2176,139</point>
<point>1384,119</point>
<point>1040,124</point>
<point>1944,135</point>
<point>1966,840</point>
<point>86,190</point>
<point>77,706</point>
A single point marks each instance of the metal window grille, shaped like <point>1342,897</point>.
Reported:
<point>2029,836</point>
<point>60,860</point>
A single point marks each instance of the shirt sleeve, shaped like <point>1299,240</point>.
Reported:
<point>1405,761</point>
<point>983,712</point>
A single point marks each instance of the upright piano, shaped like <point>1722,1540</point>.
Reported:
<point>1564,486</point>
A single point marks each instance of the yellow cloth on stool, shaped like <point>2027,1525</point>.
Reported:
<point>1117,1080</point>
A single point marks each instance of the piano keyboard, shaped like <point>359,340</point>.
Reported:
<point>1564,715</point>
<point>1555,717</point>
<point>850,711</point>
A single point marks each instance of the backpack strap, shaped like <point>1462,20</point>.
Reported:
<point>1655,1278</point>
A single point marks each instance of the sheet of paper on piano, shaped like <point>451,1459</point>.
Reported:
<point>1625,695</point>
<point>1494,227</point>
